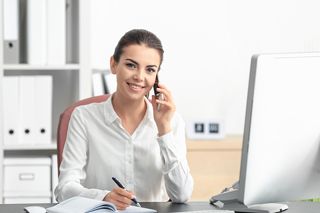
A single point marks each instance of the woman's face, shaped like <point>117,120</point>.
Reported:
<point>136,71</point>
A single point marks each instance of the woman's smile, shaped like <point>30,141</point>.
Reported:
<point>135,87</point>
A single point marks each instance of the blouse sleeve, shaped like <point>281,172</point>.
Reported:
<point>176,172</point>
<point>72,168</point>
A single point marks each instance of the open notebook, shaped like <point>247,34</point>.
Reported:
<point>86,205</point>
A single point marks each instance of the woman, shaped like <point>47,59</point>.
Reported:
<point>127,137</point>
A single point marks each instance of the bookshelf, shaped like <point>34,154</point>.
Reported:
<point>1,102</point>
<point>71,81</point>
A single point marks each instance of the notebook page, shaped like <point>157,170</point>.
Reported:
<point>80,204</point>
<point>137,209</point>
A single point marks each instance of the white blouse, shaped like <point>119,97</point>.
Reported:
<point>98,148</point>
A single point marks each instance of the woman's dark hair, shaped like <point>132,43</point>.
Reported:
<point>140,37</point>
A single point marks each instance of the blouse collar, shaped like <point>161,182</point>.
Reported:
<point>111,116</point>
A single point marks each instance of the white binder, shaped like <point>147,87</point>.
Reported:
<point>110,81</point>
<point>11,109</point>
<point>54,178</point>
<point>56,29</point>
<point>11,31</point>
<point>43,109</point>
<point>36,32</point>
<point>97,84</point>
<point>26,109</point>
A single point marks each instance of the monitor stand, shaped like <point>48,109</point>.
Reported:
<point>230,202</point>
<point>259,208</point>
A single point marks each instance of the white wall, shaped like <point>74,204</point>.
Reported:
<point>208,45</point>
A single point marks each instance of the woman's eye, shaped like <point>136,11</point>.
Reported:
<point>150,70</point>
<point>130,65</point>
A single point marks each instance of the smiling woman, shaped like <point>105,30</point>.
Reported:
<point>127,137</point>
<point>136,70</point>
<point>140,38</point>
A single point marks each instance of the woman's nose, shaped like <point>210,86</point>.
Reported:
<point>140,75</point>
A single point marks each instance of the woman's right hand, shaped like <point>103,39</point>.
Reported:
<point>121,198</point>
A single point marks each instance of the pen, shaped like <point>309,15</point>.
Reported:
<point>122,186</point>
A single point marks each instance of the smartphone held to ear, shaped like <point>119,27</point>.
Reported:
<point>158,95</point>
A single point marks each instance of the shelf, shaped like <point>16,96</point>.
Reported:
<point>40,67</point>
<point>71,81</point>
<point>16,147</point>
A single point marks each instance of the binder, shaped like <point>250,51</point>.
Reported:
<point>97,84</point>
<point>110,81</point>
<point>56,32</point>
<point>54,178</point>
<point>36,32</point>
<point>26,109</point>
<point>11,31</point>
<point>43,109</point>
<point>11,109</point>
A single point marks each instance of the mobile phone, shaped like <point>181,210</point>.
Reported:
<point>158,95</point>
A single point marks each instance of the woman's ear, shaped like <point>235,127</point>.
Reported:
<point>113,65</point>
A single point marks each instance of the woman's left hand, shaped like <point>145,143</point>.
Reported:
<point>164,116</point>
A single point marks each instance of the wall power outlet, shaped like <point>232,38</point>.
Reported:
<point>205,129</point>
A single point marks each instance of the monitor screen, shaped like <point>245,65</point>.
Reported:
<point>281,144</point>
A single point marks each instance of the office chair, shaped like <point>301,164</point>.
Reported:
<point>64,122</point>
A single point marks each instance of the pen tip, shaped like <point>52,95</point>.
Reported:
<point>138,204</point>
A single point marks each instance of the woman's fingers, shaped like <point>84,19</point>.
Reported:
<point>124,199</point>
<point>166,92</point>
<point>120,198</point>
<point>165,103</point>
<point>167,96</point>
<point>120,205</point>
<point>133,195</point>
<point>123,192</point>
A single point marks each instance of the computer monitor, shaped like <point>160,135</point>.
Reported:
<point>281,144</point>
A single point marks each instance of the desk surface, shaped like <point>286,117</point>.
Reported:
<point>165,207</point>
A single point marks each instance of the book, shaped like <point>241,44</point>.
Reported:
<point>86,205</point>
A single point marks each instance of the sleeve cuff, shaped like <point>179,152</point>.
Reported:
<point>102,194</point>
<point>165,140</point>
